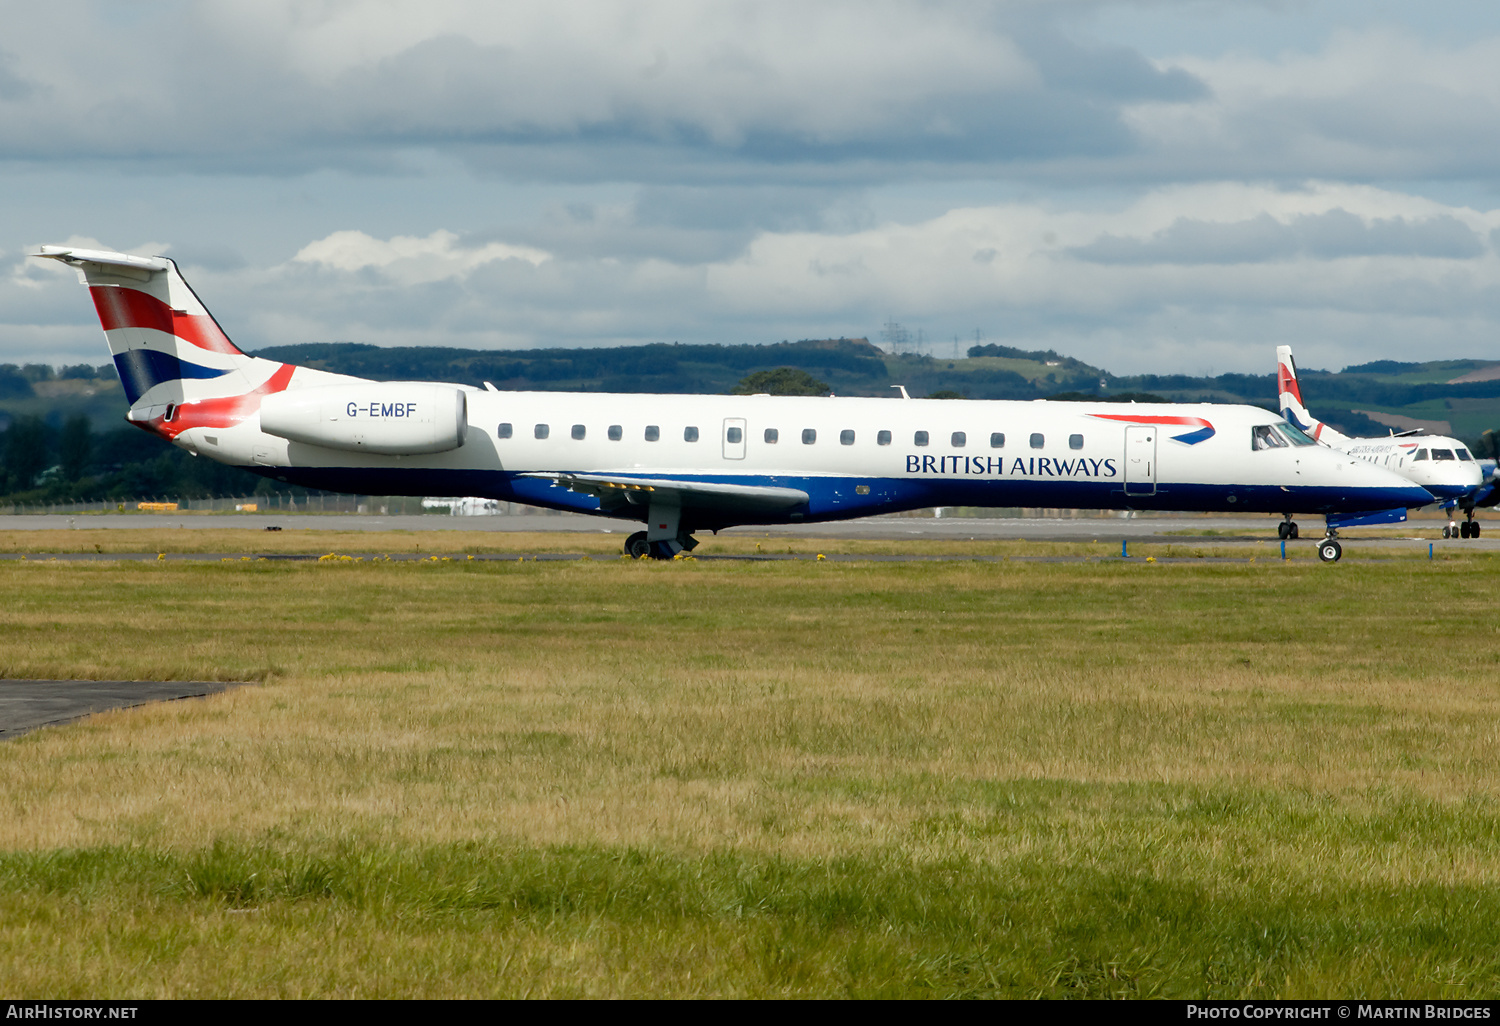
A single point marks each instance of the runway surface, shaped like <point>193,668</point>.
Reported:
<point>29,704</point>
<point>1155,528</point>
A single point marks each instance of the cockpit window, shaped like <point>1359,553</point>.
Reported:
<point>1296,435</point>
<point>1463,454</point>
<point>1421,455</point>
<point>1264,436</point>
<point>1442,454</point>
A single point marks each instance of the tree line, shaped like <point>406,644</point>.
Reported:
<point>46,462</point>
<point>16,381</point>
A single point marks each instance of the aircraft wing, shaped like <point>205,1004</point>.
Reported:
<point>615,491</point>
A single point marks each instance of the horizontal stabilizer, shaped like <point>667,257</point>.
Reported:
<point>614,491</point>
<point>101,262</point>
<point>1386,516</point>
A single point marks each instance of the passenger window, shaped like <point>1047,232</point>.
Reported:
<point>734,436</point>
<point>1075,441</point>
<point>920,438</point>
<point>1037,441</point>
<point>772,436</point>
<point>883,438</point>
<point>616,432</point>
<point>846,437</point>
<point>1265,437</point>
<point>959,439</point>
<point>578,432</point>
<point>1421,455</point>
<point>809,436</point>
<point>689,434</point>
<point>1442,454</point>
<point>503,431</point>
<point>652,432</point>
<point>541,431</point>
<point>997,439</point>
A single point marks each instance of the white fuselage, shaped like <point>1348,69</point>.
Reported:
<point>851,456</point>
<point>693,462</point>
<point>1442,465</point>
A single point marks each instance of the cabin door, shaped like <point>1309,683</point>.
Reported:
<point>734,438</point>
<point>1140,460</point>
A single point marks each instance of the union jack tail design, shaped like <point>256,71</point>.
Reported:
<point>169,351</point>
<point>1290,400</point>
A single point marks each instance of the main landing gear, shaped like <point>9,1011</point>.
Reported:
<point>638,547</point>
<point>1287,529</point>
<point>665,535</point>
<point>1469,528</point>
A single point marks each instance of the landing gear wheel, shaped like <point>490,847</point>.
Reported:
<point>1465,529</point>
<point>1474,529</point>
<point>1283,530</point>
<point>1329,550</point>
<point>1447,532</point>
<point>636,546</point>
<point>1292,533</point>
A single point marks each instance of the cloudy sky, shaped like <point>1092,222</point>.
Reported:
<point>1150,186</point>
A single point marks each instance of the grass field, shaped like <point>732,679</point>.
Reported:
<point>759,779</point>
<point>1188,542</point>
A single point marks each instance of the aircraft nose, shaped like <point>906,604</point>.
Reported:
<point>1413,496</point>
<point>1389,487</point>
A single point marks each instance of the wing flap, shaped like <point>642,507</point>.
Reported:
<point>614,491</point>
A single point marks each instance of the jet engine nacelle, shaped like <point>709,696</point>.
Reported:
<point>395,418</point>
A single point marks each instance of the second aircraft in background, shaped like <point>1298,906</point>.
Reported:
<point>1441,464</point>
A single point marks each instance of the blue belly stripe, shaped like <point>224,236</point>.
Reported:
<point>835,498</point>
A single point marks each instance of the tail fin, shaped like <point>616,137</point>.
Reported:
<point>167,347</point>
<point>1290,400</point>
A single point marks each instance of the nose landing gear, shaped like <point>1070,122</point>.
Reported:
<point>1329,549</point>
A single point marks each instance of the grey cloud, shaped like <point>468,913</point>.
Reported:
<point>1115,73</point>
<point>684,224</point>
<point>1328,236</point>
<point>982,89</point>
<point>12,86</point>
<point>992,90</point>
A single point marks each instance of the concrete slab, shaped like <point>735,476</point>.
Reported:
<point>29,704</point>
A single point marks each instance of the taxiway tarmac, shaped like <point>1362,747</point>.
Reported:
<point>1157,528</point>
<point>1178,528</point>
<point>29,704</point>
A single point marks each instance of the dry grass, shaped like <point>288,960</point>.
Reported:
<point>1198,543</point>
<point>1279,743</point>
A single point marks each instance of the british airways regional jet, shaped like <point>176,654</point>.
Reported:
<point>685,463</point>
<point>1442,465</point>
